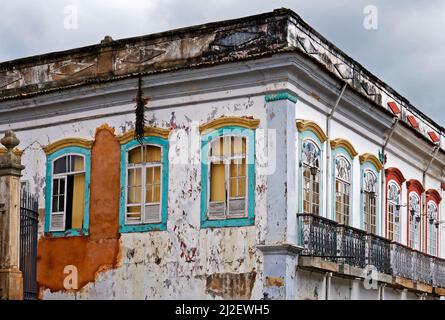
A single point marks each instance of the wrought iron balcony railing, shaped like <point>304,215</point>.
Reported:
<point>324,238</point>
<point>402,259</point>
<point>318,236</point>
<point>351,245</point>
<point>378,253</point>
<point>439,272</point>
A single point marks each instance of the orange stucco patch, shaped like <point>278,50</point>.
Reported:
<point>100,250</point>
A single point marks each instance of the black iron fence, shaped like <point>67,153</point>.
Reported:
<point>29,220</point>
<point>329,240</point>
<point>318,236</point>
<point>378,253</point>
<point>351,245</point>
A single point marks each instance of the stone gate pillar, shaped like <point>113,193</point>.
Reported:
<point>11,281</point>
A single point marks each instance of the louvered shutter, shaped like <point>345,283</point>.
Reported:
<point>57,222</point>
<point>57,217</point>
<point>152,213</point>
<point>237,207</point>
<point>216,210</point>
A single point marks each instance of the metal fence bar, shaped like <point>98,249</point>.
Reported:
<point>324,238</point>
<point>29,220</point>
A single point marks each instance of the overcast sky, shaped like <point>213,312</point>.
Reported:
<point>407,50</point>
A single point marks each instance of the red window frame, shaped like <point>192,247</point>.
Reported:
<point>413,185</point>
<point>392,174</point>
<point>434,196</point>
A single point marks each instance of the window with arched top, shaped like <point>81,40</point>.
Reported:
<point>370,201</point>
<point>414,220</point>
<point>311,168</point>
<point>432,215</point>
<point>343,174</point>
<point>393,210</point>
<point>68,165</point>
<point>432,222</point>
<point>68,188</point>
<point>394,182</point>
<point>144,182</point>
<point>228,172</point>
<point>228,177</point>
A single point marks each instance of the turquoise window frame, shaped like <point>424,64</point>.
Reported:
<point>363,168</point>
<point>249,220</point>
<point>74,150</point>
<point>336,153</point>
<point>134,228</point>
<point>303,136</point>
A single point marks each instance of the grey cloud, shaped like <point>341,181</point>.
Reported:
<point>407,51</point>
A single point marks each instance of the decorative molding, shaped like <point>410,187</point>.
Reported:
<point>305,125</point>
<point>345,144</point>
<point>283,95</point>
<point>433,194</point>
<point>396,174</point>
<point>16,151</point>
<point>415,185</point>
<point>105,126</point>
<point>148,131</point>
<point>67,142</point>
<point>248,123</point>
<point>368,157</point>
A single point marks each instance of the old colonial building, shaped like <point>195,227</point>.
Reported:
<point>272,166</point>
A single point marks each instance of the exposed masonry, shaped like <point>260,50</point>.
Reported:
<point>247,38</point>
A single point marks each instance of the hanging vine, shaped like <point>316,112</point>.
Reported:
<point>141,102</point>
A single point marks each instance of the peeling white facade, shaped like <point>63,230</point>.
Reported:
<point>254,262</point>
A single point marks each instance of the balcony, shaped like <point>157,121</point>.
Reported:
<point>338,248</point>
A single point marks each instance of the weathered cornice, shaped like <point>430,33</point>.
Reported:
<point>254,37</point>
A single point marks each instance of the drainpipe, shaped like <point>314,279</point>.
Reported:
<point>328,146</point>
<point>327,280</point>
<point>383,177</point>
<point>433,156</point>
<point>382,291</point>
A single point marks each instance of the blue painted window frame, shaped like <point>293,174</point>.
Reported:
<point>74,150</point>
<point>363,168</point>
<point>303,136</point>
<point>249,220</point>
<point>336,153</point>
<point>162,226</point>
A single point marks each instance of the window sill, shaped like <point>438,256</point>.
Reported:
<point>67,233</point>
<point>227,223</point>
<point>135,228</point>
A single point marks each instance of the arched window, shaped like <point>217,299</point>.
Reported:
<point>414,221</point>
<point>144,176</point>
<point>393,218</point>
<point>228,172</point>
<point>228,177</point>
<point>432,229</point>
<point>68,193</point>
<point>342,189</point>
<point>369,201</point>
<point>144,184</point>
<point>311,177</point>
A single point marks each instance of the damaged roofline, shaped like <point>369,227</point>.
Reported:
<point>278,14</point>
<point>196,30</point>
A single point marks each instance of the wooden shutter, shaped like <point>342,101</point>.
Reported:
<point>237,207</point>
<point>58,207</point>
<point>152,213</point>
<point>216,210</point>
